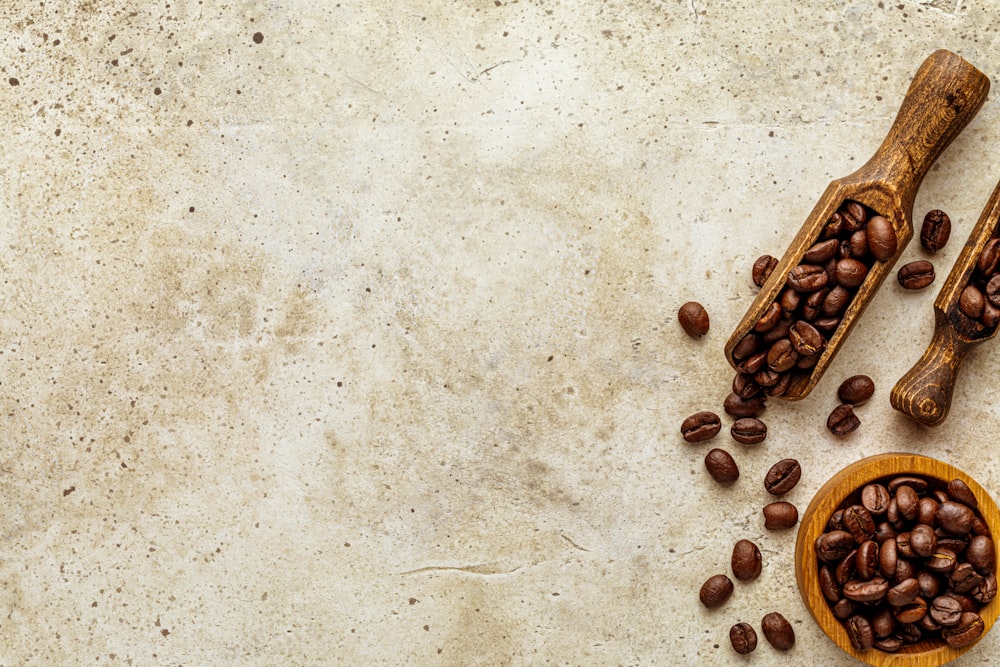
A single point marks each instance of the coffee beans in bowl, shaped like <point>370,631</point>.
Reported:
<point>895,555</point>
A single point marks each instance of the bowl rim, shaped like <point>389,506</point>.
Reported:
<point>814,519</point>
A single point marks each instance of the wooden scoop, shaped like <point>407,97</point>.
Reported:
<point>924,393</point>
<point>945,94</point>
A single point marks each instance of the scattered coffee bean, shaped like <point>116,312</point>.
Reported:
<point>715,591</point>
<point>935,231</point>
<point>762,269</point>
<point>746,560</point>
<point>782,477</point>
<point>843,420</point>
<point>749,431</point>
<point>721,466</point>
<point>778,631</point>
<point>693,319</point>
<point>701,426</point>
<point>780,515</point>
<point>743,638</point>
<point>915,275</point>
<point>856,390</point>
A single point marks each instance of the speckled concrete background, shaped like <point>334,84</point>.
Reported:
<point>344,333</point>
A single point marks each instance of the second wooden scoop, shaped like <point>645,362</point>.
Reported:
<point>945,94</point>
<point>924,393</point>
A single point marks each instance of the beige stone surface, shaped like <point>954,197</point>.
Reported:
<point>356,343</point>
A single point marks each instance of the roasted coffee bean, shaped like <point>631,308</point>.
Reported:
<point>909,633</point>
<point>923,540</point>
<point>872,590</point>
<point>892,514</point>
<point>780,515</point>
<point>807,278</point>
<point>927,510</point>
<point>883,622</point>
<point>850,272</point>
<point>780,387</point>
<point>857,245</point>
<point>884,531</point>
<point>989,257</point>
<point>762,269</point>
<point>856,390</point>
<point>987,589</point>
<point>971,302</point>
<point>946,540</point>
<point>927,623</point>
<point>859,632</point>
<point>889,644</point>
<point>820,253</point>
<point>904,570</point>
<point>846,569</point>
<point>918,484</point>
<point>979,526</point>
<point>836,521</point>
<point>941,561</point>
<point>746,560</point>
<point>854,215</point>
<point>907,499</point>
<point>743,638</point>
<point>805,339</point>
<point>866,562</point>
<point>964,578</point>
<point>844,609</point>
<point>836,301</point>
<point>834,545</point>
<point>770,318</point>
<point>743,407</point>
<point>780,330</point>
<point>782,356</point>
<point>826,324</point>
<point>753,363</point>
<point>778,631</point>
<point>700,426</point>
<point>930,585</point>
<point>903,593</point>
<point>813,306</point>
<point>946,611</point>
<point>969,628</point>
<point>715,591</point>
<point>834,226</point>
<point>721,466</point>
<point>790,300</point>
<point>955,518</point>
<point>828,584</point>
<point>749,431</point>
<point>982,554</point>
<point>991,315</point>
<point>805,363</point>
<point>693,319</point>
<point>874,497</point>
<point>903,547</point>
<point>747,346</point>
<point>766,378</point>
<point>744,386</point>
<point>960,492</point>
<point>915,275</point>
<point>935,231</point>
<point>911,612</point>
<point>782,477</point>
<point>968,604</point>
<point>859,523</point>
<point>993,290</point>
<point>882,241</point>
<point>842,420</point>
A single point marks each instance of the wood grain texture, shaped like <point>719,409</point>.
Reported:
<point>924,393</point>
<point>833,494</point>
<point>945,94</point>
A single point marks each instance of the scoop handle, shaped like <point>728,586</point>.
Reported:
<point>924,393</point>
<point>945,94</point>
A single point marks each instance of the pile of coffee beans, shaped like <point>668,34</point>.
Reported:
<point>854,391</point>
<point>979,304</point>
<point>905,559</point>
<point>790,336</point>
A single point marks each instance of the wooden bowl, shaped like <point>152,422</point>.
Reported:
<point>832,496</point>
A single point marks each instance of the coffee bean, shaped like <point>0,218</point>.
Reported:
<point>782,477</point>
<point>872,590</point>
<point>700,426</point>
<point>828,585</point>
<point>857,246</point>
<point>766,378</point>
<point>762,269</point>
<point>964,578</point>
<point>923,541</point>
<point>743,638</point>
<point>912,612</point>
<point>834,545</point>
<point>935,231</point>
<point>747,346</point>
<point>982,554</point>
<point>850,272</point>
<point>882,241</point>
<point>875,498</point>
<point>715,591</point>
<point>987,589</point>
<point>753,363</point>
<point>903,593</point>
<point>918,484</point>
<point>826,324</point>
<point>959,491</point>
<point>813,306</point>
<point>866,561</point>
<point>883,623</point>
<point>927,511</point>
<point>721,466</point>
<point>769,319</point>
<point>693,319</point>
<point>805,339</point>
<point>946,611</point>
<point>842,420</point>
<point>778,631</point>
<point>749,431</point>
<point>971,302</point>
<point>820,253</point>
<point>993,290</point>
<point>735,406</point>
<point>915,275</point>
<point>859,523</point>
<point>942,561</point>
<point>746,560</point>
<point>780,515</point>
<point>859,632</point>
<point>836,301</point>
<point>744,386</point>
<point>888,644</point>
<point>888,558</point>
<point>989,257</point>
<point>782,356</point>
<point>955,518</point>
<point>846,568</point>
<point>807,278</point>
<point>907,500</point>
<point>969,628</point>
<point>781,386</point>
<point>834,226</point>
<point>930,585</point>
<point>854,214</point>
<point>856,390</point>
